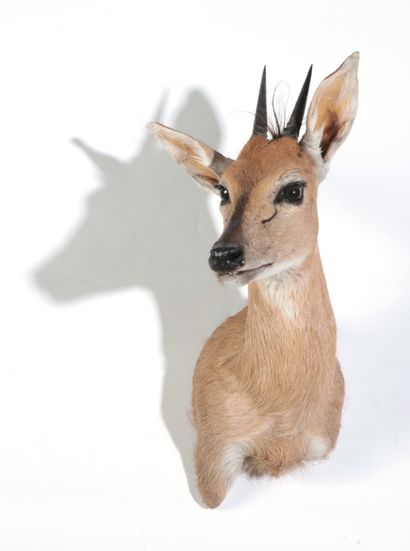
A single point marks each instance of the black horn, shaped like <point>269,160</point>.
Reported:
<point>260,126</point>
<point>295,121</point>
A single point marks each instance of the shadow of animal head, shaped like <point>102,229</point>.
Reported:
<point>147,226</point>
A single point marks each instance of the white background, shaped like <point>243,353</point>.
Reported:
<point>106,297</point>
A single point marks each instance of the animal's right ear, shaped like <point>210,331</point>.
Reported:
<point>333,109</point>
<point>202,163</point>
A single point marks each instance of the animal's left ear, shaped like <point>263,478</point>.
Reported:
<point>202,163</point>
<point>332,110</point>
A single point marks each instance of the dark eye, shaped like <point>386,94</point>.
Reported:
<point>224,195</point>
<point>292,193</point>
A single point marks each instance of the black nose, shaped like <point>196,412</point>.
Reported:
<point>225,257</point>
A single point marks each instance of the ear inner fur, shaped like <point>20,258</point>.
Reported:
<point>333,109</point>
<point>201,162</point>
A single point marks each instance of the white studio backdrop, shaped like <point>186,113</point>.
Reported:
<point>106,297</point>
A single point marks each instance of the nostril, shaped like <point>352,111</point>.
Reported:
<point>235,253</point>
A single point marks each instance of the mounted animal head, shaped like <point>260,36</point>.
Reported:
<point>268,194</point>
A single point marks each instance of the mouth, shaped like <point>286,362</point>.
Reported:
<point>249,271</point>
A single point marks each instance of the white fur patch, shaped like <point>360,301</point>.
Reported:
<point>233,457</point>
<point>318,447</point>
<point>281,269</point>
<point>279,282</point>
<point>311,143</point>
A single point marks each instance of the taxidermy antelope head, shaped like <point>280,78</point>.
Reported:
<point>268,389</point>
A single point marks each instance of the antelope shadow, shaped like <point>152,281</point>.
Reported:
<point>149,226</point>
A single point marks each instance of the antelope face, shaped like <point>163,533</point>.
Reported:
<point>268,194</point>
<point>268,203</point>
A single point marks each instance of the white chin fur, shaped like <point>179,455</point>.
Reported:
<point>277,268</point>
<point>237,280</point>
<point>232,280</point>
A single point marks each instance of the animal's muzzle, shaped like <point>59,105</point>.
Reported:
<point>226,257</point>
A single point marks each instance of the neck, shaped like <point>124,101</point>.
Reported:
<point>290,331</point>
<point>296,296</point>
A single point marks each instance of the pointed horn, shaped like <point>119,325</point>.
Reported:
<point>260,126</point>
<point>295,121</point>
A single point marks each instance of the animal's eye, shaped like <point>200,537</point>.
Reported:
<point>292,193</point>
<point>224,195</point>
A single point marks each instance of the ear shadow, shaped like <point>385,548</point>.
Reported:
<point>149,226</point>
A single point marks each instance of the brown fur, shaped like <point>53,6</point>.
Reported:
<point>267,388</point>
<point>268,382</point>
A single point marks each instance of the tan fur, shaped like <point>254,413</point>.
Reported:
<point>268,382</point>
<point>267,388</point>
